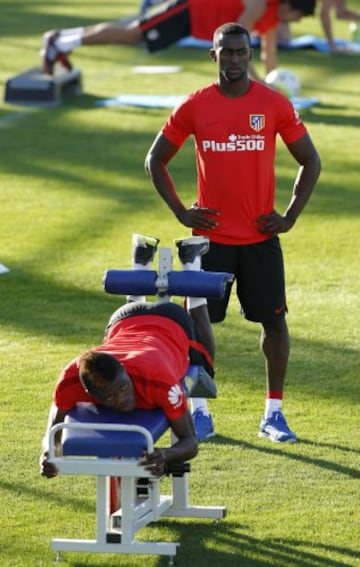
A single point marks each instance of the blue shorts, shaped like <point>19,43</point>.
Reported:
<point>259,277</point>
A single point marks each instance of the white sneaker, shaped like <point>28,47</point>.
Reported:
<point>189,248</point>
<point>144,248</point>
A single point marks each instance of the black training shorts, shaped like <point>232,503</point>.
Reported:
<point>163,308</point>
<point>165,24</point>
<point>259,277</point>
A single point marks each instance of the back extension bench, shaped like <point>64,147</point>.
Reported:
<point>103,443</point>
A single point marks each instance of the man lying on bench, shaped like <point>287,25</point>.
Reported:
<point>145,354</point>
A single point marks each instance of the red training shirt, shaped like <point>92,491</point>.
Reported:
<point>154,351</point>
<point>235,142</point>
<point>206,16</point>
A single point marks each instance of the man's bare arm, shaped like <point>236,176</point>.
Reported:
<point>156,166</point>
<point>55,416</point>
<point>184,449</point>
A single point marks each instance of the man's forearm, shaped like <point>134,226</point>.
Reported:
<point>164,185</point>
<point>184,450</point>
<point>303,188</point>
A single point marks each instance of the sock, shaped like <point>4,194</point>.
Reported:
<point>193,302</point>
<point>199,404</point>
<point>194,266</point>
<point>68,42</point>
<point>273,403</point>
<point>72,31</point>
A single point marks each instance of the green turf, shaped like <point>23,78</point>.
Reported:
<point>73,189</point>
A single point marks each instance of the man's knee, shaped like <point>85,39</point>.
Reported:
<point>277,326</point>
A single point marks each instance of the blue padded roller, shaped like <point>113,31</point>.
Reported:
<point>143,282</point>
<point>136,282</point>
<point>111,443</point>
<point>198,284</point>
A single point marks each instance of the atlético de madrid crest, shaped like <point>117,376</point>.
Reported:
<point>257,122</point>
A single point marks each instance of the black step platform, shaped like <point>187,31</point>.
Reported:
<point>33,87</point>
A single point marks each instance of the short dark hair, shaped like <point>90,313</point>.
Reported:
<point>307,7</point>
<point>93,366</point>
<point>229,28</point>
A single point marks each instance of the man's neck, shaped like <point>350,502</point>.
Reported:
<point>235,89</point>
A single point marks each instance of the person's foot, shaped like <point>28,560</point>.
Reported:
<point>276,429</point>
<point>51,54</point>
<point>189,248</point>
<point>203,424</point>
<point>144,248</point>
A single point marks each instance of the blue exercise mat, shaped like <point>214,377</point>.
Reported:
<point>143,101</point>
<point>320,44</point>
<point>164,101</point>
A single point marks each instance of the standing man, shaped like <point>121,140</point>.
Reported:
<point>234,123</point>
<point>171,20</point>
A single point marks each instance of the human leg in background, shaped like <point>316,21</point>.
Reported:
<point>275,344</point>
<point>57,45</point>
<point>261,292</point>
<point>190,251</point>
<point>158,26</point>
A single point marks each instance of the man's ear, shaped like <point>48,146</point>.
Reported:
<point>212,54</point>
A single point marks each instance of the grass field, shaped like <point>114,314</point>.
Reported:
<point>73,189</point>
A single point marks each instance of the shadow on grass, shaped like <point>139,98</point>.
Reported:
<point>295,456</point>
<point>217,544</point>
<point>42,305</point>
<point>244,550</point>
<point>331,115</point>
<point>83,156</point>
<point>48,307</point>
<point>76,504</point>
<point>38,20</point>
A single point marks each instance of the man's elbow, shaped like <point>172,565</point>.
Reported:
<point>153,164</point>
<point>147,163</point>
<point>317,164</point>
<point>311,160</point>
<point>313,167</point>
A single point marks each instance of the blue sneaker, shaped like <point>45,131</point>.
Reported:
<point>276,429</point>
<point>204,428</point>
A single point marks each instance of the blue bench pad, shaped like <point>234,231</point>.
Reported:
<point>111,443</point>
